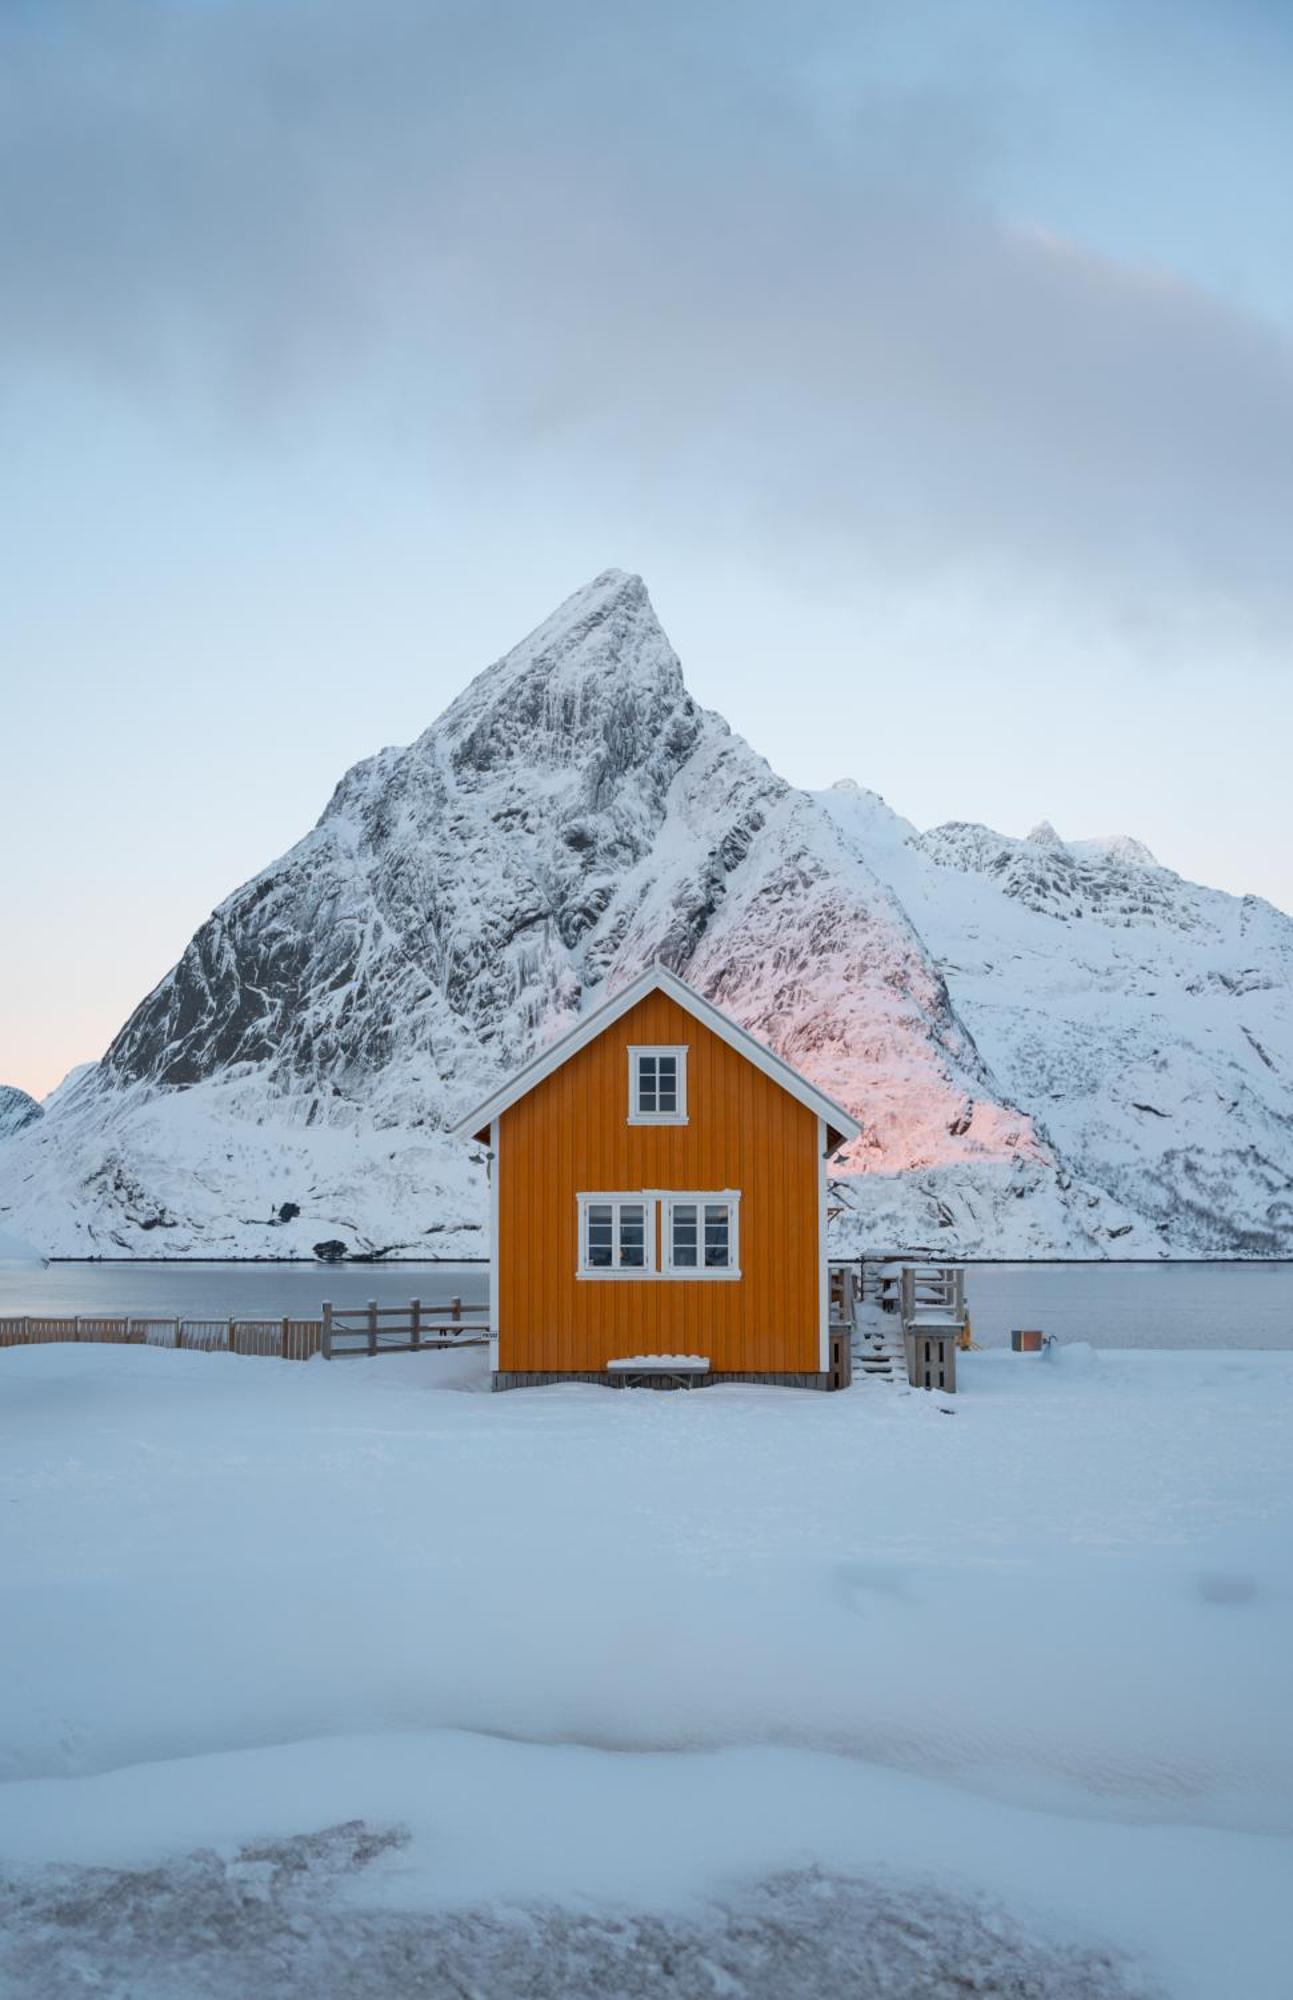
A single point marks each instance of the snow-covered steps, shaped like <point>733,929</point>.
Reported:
<point>877,1347</point>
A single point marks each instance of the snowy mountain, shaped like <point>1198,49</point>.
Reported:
<point>1146,1022</point>
<point>982,1004</point>
<point>16,1110</point>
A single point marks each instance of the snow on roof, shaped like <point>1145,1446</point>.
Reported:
<point>840,1123</point>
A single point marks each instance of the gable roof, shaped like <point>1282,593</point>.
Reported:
<point>658,978</point>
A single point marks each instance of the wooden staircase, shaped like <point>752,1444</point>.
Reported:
<point>878,1352</point>
<point>911,1320</point>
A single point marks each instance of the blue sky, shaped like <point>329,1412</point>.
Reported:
<point>932,362</point>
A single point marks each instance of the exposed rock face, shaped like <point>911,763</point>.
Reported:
<point>572,816</point>
<point>17,1110</point>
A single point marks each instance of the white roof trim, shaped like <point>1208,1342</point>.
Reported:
<point>603,1017</point>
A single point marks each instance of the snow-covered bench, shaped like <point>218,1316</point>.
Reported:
<point>650,1371</point>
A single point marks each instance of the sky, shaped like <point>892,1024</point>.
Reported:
<point>932,362</point>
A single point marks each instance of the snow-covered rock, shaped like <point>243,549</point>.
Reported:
<point>574,815</point>
<point>16,1110</point>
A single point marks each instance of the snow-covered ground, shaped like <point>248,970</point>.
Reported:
<point>745,1692</point>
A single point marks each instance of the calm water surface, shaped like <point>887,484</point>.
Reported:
<point>1135,1305</point>
<point>1111,1305</point>
<point>240,1291</point>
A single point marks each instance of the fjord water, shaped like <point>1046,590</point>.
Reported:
<point>1110,1305</point>
<point>240,1291</point>
<point>1135,1305</point>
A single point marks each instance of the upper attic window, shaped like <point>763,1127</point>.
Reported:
<point>657,1086</point>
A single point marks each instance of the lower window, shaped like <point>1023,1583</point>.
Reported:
<point>700,1236</point>
<point>616,1236</point>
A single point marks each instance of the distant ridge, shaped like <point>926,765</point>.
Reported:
<point>17,1110</point>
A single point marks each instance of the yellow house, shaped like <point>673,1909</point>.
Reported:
<point>658,1203</point>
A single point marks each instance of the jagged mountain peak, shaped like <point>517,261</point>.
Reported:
<point>607,628</point>
<point>596,688</point>
<point>1121,848</point>
<point>476,870</point>
<point>848,794</point>
<point>864,816</point>
<point>1044,835</point>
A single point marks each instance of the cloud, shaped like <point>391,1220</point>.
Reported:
<point>657,238</point>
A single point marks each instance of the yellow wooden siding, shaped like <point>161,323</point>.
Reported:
<point>570,1135</point>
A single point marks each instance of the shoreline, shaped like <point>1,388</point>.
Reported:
<point>319,1263</point>
<point>865,1257</point>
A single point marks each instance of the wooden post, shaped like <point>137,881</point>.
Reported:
<point>179,1334</point>
<point>287,1337</point>
<point>231,1339</point>
<point>372,1326</point>
<point>325,1332</point>
<point>415,1319</point>
<point>455,1312</point>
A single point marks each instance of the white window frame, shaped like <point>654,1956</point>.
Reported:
<point>615,1273</point>
<point>679,1051</point>
<point>729,1198</point>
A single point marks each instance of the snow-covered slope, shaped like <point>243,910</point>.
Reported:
<point>573,815</point>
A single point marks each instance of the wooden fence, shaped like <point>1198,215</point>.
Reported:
<point>279,1339</point>
<point>366,1329</point>
<point>374,1329</point>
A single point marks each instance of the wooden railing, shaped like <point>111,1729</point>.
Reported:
<point>934,1289</point>
<point>374,1329</point>
<point>845,1289</point>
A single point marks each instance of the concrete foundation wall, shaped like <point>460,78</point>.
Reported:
<point>514,1379</point>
